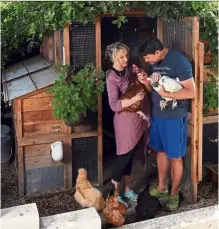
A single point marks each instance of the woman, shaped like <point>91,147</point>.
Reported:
<point>129,127</point>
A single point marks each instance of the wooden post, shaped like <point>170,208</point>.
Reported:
<point>195,104</point>
<point>67,163</point>
<point>100,131</point>
<point>57,47</point>
<point>20,151</point>
<point>66,53</point>
<point>21,170</point>
<point>200,112</point>
<point>50,42</point>
<point>45,46</point>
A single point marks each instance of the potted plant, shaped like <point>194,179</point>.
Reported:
<point>75,94</point>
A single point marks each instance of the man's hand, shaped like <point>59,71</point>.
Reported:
<point>155,77</point>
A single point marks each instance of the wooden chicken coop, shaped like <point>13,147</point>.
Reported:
<point>84,44</point>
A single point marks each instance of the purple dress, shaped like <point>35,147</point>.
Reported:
<point>129,127</point>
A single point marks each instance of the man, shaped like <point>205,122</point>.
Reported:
<point>168,133</point>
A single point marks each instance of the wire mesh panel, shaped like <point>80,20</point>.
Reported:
<point>210,143</point>
<point>61,44</point>
<point>82,44</point>
<point>178,35</point>
<point>85,156</point>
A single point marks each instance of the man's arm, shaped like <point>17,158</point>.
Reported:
<point>187,92</point>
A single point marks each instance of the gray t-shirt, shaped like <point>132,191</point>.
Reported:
<point>174,65</point>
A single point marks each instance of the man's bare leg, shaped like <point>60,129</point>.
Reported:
<point>163,167</point>
<point>177,172</point>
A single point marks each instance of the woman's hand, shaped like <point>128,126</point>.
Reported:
<point>139,96</point>
<point>155,77</point>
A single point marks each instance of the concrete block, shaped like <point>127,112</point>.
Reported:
<point>201,218</point>
<point>20,217</point>
<point>81,219</point>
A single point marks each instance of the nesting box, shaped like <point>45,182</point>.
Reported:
<point>26,84</point>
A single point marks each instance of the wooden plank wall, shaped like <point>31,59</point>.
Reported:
<point>37,116</point>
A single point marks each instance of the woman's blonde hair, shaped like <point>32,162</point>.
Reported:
<point>113,49</point>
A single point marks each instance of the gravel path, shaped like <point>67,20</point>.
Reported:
<point>61,201</point>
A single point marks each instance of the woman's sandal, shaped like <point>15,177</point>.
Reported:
<point>131,195</point>
<point>154,192</point>
<point>173,203</point>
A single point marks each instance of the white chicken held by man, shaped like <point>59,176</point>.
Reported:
<point>170,85</point>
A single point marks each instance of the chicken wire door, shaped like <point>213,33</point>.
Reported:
<point>183,35</point>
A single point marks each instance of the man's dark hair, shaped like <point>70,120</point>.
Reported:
<point>150,45</point>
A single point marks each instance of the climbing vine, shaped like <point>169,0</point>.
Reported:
<point>23,23</point>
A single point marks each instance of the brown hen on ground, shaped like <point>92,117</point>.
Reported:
<point>114,212</point>
<point>86,195</point>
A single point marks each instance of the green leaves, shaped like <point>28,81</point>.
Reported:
<point>119,21</point>
<point>22,20</point>
<point>211,93</point>
<point>75,96</point>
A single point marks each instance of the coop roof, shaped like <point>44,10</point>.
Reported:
<point>27,76</point>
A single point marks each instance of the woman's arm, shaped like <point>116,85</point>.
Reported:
<point>113,94</point>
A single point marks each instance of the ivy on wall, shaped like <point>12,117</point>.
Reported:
<point>25,22</point>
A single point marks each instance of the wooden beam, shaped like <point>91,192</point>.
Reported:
<point>68,163</point>
<point>100,130</point>
<point>20,157</point>
<point>210,119</point>
<point>50,44</point>
<point>200,109</point>
<point>18,112</point>
<point>134,12</point>
<point>66,53</point>
<point>194,137</point>
<point>49,138</point>
<point>57,48</point>
<point>205,119</point>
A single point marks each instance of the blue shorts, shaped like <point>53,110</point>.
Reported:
<point>169,136</point>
